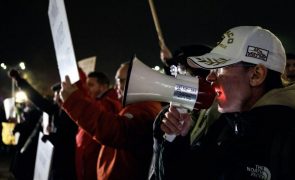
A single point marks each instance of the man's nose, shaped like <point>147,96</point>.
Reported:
<point>211,76</point>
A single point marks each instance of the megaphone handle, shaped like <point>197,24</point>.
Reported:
<point>171,137</point>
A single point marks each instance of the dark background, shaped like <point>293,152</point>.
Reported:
<point>115,30</point>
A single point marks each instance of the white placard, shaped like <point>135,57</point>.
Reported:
<point>45,123</point>
<point>9,108</point>
<point>87,64</point>
<point>63,45</point>
<point>43,159</point>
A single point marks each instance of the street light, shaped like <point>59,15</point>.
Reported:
<point>22,65</point>
<point>3,66</point>
<point>17,101</point>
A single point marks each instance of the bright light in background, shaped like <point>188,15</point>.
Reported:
<point>25,76</point>
<point>22,65</point>
<point>157,68</point>
<point>20,97</point>
<point>3,65</point>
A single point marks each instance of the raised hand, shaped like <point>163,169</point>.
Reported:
<point>14,74</point>
<point>67,88</point>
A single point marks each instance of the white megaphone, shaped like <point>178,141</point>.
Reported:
<point>145,84</point>
<point>184,92</point>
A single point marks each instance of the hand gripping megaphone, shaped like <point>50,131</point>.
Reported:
<point>145,84</point>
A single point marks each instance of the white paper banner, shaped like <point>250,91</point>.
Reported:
<point>9,108</point>
<point>63,45</point>
<point>87,64</point>
<point>43,159</point>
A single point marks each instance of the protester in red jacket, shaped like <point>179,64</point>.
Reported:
<point>87,149</point>
<point>126,137</point>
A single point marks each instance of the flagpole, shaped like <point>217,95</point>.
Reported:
<point>157,24</point>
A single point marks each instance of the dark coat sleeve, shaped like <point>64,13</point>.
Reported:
<point>36,98</point>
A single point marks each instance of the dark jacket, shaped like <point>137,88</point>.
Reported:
<point>23,163</point>
<point>63,160</point>
<point>258,144</point>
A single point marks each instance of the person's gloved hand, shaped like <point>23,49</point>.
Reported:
<point>14,74</point>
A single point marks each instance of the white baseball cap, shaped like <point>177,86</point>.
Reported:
<point>250,44</point>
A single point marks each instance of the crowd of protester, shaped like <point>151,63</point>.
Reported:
<point>248,132</point>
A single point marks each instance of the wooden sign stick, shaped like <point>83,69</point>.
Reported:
<point>157,25</point>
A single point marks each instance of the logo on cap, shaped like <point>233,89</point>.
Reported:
<point>228,38</point>
<point>256,52</point>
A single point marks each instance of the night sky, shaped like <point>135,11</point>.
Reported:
<point>115,30</point>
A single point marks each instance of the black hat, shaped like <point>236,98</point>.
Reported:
<point>181,54</point>
<point>56,87</point>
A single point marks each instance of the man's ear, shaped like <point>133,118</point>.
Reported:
<point>258,75</point>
